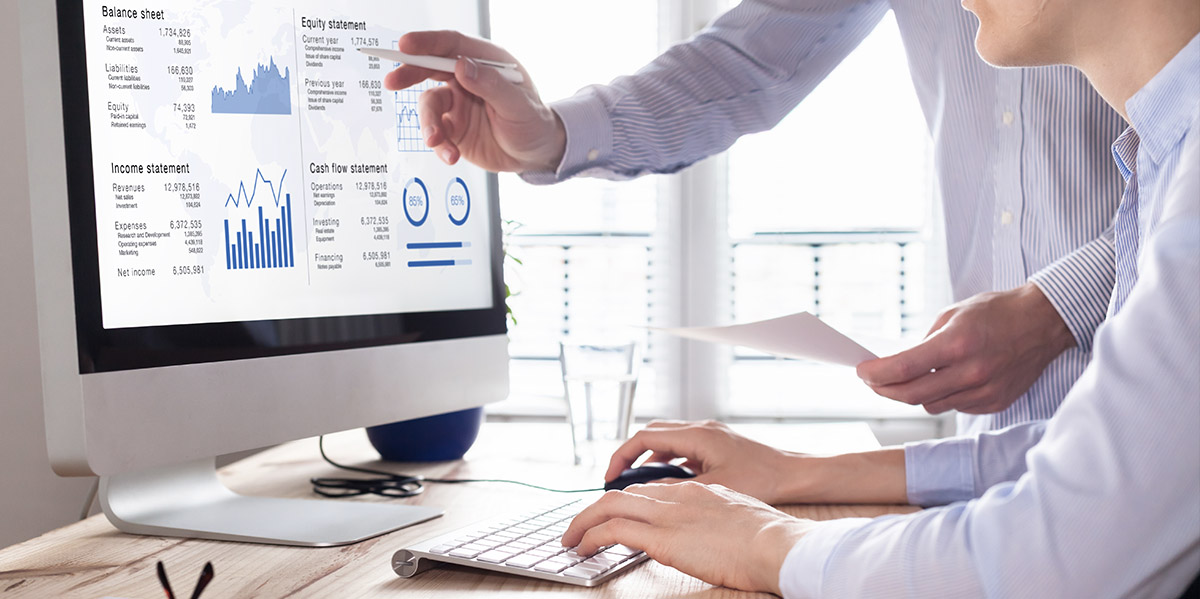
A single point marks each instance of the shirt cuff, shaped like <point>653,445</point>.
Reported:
<point>940,471</point>
<point>803,571</point>
<point>1079,286</point>
<point>589,138</point>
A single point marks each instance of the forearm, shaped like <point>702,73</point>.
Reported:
<point>741,75</point>
<point>933,472</point>
<point>865,477</point>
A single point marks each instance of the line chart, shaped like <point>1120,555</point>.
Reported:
<point>249,198</point>
<point>408,126</point>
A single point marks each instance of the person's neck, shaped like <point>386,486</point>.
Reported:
<point>1136,45</point>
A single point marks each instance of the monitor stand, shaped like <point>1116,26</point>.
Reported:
<point>188,500</point>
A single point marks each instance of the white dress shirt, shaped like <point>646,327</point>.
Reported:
<point>1104,499</point>
<point>1021,155</point>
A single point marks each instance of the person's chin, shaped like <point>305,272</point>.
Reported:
<point>1008,55</point>
<point>995,54</point>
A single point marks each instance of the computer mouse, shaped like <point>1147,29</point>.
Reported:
<point>648,472</point>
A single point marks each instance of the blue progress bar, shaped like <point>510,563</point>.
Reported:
<point>431,263</point>
<point>436,245</point>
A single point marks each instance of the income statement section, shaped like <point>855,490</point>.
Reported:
<point>249,165</point>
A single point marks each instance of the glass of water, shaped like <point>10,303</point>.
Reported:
<point>599,379</point>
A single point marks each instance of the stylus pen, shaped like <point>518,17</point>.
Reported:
<point>507,70</point>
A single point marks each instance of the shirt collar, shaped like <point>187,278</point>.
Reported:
<point>1125,152</point>
<point>1161,111</point>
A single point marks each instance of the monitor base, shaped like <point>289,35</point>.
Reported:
<point>188,500</point>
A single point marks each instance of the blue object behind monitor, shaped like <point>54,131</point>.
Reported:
<point>431,439</point>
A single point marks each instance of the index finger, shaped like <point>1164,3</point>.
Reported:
<point>406,75</point>
<point>672,441</point>
<point>907,365</point>
<point>452,44</point>
<point>614,504</point>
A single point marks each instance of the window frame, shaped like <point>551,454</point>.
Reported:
<point>691,254</point>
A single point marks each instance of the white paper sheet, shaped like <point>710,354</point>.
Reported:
<point>796,336</point>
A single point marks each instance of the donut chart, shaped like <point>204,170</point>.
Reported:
<point>458,201</point>
<point>416,202</point>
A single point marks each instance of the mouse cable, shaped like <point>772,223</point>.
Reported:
<point>390,484</point>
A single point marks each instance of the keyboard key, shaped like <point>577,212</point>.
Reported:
<point>605,560</point>
<point>525,561</point>
<point>584,570</point>
<point>574,557</point>
<point>622,550</point>
<point>494,556</point>
<point>553,565</point>
<point>469,550</point>
<point>442,549</point>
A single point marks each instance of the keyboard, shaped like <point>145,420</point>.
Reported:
<point>527,545</point>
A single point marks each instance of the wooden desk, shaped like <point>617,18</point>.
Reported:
<point>90,559</point>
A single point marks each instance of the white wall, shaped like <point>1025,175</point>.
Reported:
<point>34,500</point>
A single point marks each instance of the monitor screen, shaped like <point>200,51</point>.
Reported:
<point>241,185</point>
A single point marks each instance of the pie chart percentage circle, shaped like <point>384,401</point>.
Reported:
<point>416,202</point>
<point>458,201</point>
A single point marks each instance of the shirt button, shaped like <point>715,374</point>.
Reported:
<point>593,154</point>
<point>1006,218</point>
<point>1007,117</point>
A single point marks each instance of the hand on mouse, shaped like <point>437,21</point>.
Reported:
<point>716,453</point>
<point>742,544</point>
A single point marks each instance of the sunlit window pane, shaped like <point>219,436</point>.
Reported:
<point>852,156</point>
<point>574,279</point>
<point>853,161</point>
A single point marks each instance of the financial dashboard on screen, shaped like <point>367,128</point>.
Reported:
<point>248,165</point>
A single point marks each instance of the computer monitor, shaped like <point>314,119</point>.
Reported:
<point>241,240</point>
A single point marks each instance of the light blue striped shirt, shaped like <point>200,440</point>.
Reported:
<point>1103,500</point>
<point>1021,155</point>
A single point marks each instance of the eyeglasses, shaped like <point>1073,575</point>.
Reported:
<point>206,576</point>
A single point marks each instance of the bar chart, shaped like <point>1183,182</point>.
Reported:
<point>274,246</point>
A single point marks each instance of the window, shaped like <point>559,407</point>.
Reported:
<point>584,245</point>
<point>828,212</point>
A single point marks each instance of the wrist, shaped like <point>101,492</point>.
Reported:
<point>1055,333</point>
<point>776,542</point>
<point>557,143</point>
<point>800,478</point>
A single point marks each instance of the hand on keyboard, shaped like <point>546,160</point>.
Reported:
<point>708,531</point>
<point>528,545</point>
